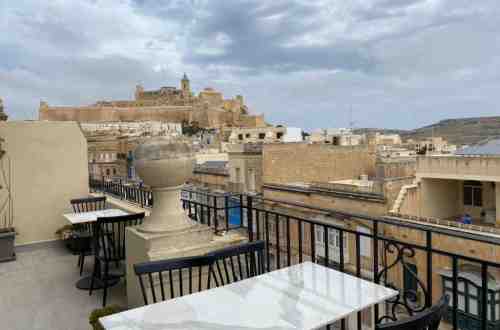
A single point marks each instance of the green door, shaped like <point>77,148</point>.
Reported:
<point>410,278</point>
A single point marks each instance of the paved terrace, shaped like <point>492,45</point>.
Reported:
<point>37,291</point>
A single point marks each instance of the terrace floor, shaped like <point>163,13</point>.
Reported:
<point>37,291</point>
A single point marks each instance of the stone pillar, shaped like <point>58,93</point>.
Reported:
<point>165,164</point>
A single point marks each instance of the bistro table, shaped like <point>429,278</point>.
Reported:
<point>90,218</point>
<point>304,296</point>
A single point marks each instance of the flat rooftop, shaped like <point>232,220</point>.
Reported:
<point>38,290</point>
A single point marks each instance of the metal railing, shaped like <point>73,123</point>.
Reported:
<point>408,257</point>
<point>129,192</point>
<point>221,211</point>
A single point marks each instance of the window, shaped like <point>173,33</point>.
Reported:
<point>333,237</point>
<point>240,137</point>
<point>469,302</point>
<point>247,135</point>
<point>237,175</point>
<point>114,171</point>
<point>364,242</point>
<point>251,179</point>
<point>473,193</point>
<point>108,172</point>
<point>279,135</point>
<point>262,136</point>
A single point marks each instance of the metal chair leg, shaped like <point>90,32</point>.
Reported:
<point>94,274</point>
<point>82,262</point>
<point>105,293</point>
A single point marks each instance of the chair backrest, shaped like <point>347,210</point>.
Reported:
<point>173,271</point>
<point>88,204</point>
<point>109,234</point>
<point>427,320</point>
<point>238,262</point>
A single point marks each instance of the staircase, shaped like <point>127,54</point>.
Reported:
<point>396,207</point>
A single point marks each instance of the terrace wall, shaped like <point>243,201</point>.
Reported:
<point>49,167</point>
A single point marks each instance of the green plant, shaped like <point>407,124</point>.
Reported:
<point>101,312</point>
<point>63,229</point>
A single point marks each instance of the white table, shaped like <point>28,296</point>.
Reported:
<point>87,217</point>
<point>304,296</point>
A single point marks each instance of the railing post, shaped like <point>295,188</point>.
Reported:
<point>241,211</point>
<point>375,265</point>
<point>250,217</point>
<point>216,214</point>
<point>428,299</point>
<point>120,190</point>
<point>226,211</point>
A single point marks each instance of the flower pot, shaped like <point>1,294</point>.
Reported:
<point>7,237</point>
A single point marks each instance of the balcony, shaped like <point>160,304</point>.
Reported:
<point>479,168</point>
<point>422,262</point>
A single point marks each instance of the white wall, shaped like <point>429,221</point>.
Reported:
<point>293,134</point>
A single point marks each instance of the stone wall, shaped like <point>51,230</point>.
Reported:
<point>110,114</point>
<point>206,117</point>
<point>302,162</point>
<point>352,205</point>
<point>396,168</point>
<point>213,181</point>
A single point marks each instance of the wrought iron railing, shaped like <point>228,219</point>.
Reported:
<point>406,256</point>
<point>129,192</point>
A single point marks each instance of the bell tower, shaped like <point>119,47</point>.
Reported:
<point>186,89</point>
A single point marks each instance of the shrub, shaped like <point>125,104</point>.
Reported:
<point>101,312</point>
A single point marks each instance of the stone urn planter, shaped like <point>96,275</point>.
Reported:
<point>7,238</point>
<point>165,164</point>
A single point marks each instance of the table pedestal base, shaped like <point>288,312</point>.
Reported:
<point>84,283</point>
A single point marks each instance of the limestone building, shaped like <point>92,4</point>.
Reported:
<point>268,134</point>
<point>337,136</point>
<point>209,109</point>
<point>111,145</point>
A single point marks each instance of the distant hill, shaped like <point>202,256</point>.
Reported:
<point>461,131</point>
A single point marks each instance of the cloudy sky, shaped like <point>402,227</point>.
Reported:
<point>395,63</point>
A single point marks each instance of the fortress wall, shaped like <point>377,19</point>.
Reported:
<point>97,114</point>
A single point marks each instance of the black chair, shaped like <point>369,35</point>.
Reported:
<point>238,262</point>
<point>82,243</point>
<point>170,271</point>
<point>426,320</point>
<point>109,246</point>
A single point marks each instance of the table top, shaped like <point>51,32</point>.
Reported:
<point>304,296</point>
<point>86,217</point>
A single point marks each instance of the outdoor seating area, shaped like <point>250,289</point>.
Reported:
<point>195,292</point>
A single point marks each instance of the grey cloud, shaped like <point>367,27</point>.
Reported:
<point>396,63</point>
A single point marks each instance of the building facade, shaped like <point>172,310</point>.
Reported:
<point>268,134</point>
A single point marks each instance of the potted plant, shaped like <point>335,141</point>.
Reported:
<point>101,312</point>
<point>7,238</point>
<point>73,238</point>
<point>7,231</point>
